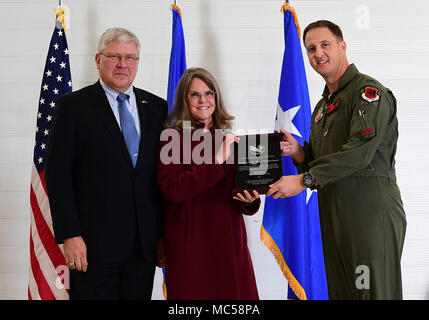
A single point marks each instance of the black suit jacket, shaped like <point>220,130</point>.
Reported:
<point>94,190</point>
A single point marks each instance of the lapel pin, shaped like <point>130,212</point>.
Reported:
<point>144,101</point>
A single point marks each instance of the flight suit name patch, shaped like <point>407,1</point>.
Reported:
<point>370,94</point>
<point>365,132</point>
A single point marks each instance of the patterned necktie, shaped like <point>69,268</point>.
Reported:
<point>128,126</point>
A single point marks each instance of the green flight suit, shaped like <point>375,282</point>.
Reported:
<point>351,153</point>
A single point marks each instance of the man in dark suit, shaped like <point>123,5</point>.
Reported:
<point>101,177</point>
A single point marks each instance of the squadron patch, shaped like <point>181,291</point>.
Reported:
<point>370,94</point>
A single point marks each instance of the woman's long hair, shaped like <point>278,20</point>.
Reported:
<point>221,118</point>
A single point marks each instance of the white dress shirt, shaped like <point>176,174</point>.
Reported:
<point>130,103</point>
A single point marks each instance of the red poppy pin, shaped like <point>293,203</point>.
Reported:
<point>332,107</point>
<point>370,94</point>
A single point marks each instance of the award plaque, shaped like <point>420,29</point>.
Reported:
<point>257,162</point>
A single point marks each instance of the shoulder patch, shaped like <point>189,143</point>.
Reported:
<point>370,94</point>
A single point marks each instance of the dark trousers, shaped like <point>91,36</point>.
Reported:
<point>131,279</point>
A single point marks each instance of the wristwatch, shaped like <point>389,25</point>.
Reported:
<point>308,180</point>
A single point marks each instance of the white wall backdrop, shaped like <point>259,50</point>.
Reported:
<point>241,43</point>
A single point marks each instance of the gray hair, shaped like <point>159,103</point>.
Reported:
<point>117,34</point>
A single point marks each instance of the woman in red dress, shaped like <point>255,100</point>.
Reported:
<point>205,241</point>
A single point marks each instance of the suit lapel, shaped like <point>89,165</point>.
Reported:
<point>102,107</point>
<point>143,107</point>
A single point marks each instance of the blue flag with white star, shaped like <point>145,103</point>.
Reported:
<point>290,227</point>
<point>177,56</point>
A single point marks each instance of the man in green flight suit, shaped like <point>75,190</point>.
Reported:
<point>350,159</point>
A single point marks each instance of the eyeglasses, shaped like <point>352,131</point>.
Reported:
<point>117,58</point>
<point>197,96</point>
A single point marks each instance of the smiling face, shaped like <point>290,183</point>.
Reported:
<point>326,53</point>
<point>201,102</point>
<point>118,75</point>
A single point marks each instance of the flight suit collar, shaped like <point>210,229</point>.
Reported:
<point>348,76</point>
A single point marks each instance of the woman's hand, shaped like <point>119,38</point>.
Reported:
<point>247,197</point>
<point>225,150</point>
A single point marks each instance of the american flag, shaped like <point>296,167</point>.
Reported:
<point>48,271</point>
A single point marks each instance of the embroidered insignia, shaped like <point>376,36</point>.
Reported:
<point>332,107</point>
<point>365,132</point>
<point>370,94</point>
<point>319,115</point>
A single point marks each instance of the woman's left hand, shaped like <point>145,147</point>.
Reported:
<point>247,197</point>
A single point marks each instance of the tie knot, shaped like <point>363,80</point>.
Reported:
<point>122,97</point>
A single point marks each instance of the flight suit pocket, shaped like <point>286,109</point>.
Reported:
<point>366,121</point>
<point>367,113</point>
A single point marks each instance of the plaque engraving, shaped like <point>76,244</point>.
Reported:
<point>257,162</point>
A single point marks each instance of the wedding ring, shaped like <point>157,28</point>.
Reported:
<point>71,264</point>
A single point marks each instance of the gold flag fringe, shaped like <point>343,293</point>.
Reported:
<point>176,7</point>
<point>164,289</point>
<point>61,12</point>
<point>286,7</point>
<point>292,282</point>
<point>265,236</point>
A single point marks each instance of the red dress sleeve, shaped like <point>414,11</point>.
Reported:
<point>181,182</point>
